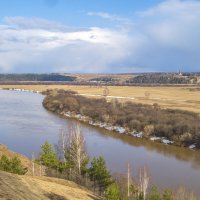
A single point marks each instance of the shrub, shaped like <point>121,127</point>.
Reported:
<point>12,165</point>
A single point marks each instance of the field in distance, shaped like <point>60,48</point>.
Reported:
<point>184,98</point>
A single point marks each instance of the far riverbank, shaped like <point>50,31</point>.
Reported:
<point>57,101</point>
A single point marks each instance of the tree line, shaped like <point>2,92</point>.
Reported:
<point>161,78</point>
<point>35,77</point>
<point>183,127</point>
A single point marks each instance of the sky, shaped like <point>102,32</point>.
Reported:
<point>99,36</point>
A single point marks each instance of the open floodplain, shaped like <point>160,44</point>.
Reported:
<point>173,97</point>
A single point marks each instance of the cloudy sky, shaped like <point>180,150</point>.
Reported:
<point>99,36</point>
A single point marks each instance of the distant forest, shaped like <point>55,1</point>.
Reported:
<point>182,127</point>
<point>164,79</point>
<point>106,79</point>
<point>35,77</point>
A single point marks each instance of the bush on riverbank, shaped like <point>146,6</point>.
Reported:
<point>183,127</point>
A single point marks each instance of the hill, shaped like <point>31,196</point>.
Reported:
<point>17,187</point>
<point>28,187</point>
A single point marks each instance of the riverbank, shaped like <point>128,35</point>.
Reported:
<point>120,130</point>
<point>21,90</point>
<point>71,105</point>
<point>117,129</point>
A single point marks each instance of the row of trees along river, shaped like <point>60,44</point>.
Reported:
<point>181,127</point>
<point>68,159</point>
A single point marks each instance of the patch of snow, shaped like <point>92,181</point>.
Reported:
<point>165,141</point>
<point>193,146</point>
<point>138,135</point>
<point>155,138</point>
<point>120,129</point>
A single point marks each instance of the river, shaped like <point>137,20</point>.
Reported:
<point>25,125</point>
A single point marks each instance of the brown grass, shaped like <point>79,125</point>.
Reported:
<point>167,97</point>
<point>27,187</point>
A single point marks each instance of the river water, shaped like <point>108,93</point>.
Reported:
<point>25,125</point>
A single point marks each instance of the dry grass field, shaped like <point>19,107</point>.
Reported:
<point>167,97</point>
<point>87,77</point>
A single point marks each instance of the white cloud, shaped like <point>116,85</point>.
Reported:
<point>44,44</point>
<point>163,38</point>
<point>172,32</point>
<point>175,24</point>
<point>110,17</point>
<point>33,23</point>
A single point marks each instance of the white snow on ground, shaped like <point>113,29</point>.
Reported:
<point>193,146</point>
<point>114,97</point>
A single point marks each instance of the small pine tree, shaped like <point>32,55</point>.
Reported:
<point>112,192</point>
<point>99,173</point>
<point>16,166</point>
<point>48,155</point>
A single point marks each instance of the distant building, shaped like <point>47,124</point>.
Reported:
<point>180,73</point>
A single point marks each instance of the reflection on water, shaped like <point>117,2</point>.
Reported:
<point>179,153</point>
<point>25,125</point>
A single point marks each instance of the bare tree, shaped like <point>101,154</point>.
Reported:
<point>106,91</point>
<point>71,150</point>
<point>33,164</point>
<point>128,180</point>
<point>77,148</point>
<point>61,147</point>
<point>184,195</point>
<point>41,173</point>
<point>143,181</point>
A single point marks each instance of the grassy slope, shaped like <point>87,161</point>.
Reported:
<point>26,187</point>
<point>16,187</point>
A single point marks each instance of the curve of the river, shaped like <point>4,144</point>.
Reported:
<point>25,125</point>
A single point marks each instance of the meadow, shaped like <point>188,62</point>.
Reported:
<point>174,97</point>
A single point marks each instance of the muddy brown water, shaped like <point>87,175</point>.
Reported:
<point>25,125</point>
